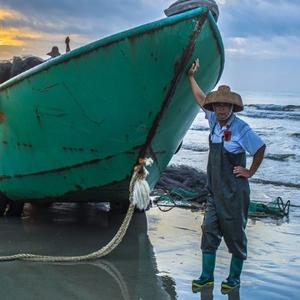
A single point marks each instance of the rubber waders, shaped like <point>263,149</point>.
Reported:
<point>233,280</point>
<point>207,276</point>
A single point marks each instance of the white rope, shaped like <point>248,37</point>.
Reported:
<point>141,190</point>
<point>138,189</point>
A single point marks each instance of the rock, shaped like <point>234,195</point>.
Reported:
<point>20,64</point>
<point>9,69</point>
<point>5,67</point>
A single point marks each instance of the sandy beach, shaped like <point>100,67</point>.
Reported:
<point>157,259</point>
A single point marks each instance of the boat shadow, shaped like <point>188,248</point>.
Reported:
<point>129,272</point>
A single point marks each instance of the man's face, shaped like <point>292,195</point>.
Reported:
<point>222,110</point>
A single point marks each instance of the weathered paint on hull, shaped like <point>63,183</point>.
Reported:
<point>75,126</point>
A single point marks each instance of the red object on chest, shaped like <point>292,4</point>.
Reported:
<point>227,134</point>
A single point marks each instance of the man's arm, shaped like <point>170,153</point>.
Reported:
<point>258,157</point>
<point>197,91</point>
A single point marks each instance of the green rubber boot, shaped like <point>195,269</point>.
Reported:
<point>207,276</point>
<point>233,280</point>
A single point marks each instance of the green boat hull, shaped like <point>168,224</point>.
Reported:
<point>73,128</point>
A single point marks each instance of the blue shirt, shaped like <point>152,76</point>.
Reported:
<point>243,138</point>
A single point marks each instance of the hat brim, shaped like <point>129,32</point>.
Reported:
<point>223,96</point>
<point>236,108</point>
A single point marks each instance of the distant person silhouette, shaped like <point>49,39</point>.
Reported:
<point>55,51</point>
<point>67,42</point>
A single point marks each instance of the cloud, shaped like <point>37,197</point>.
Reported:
<point>17,37</point>
<point>96,18</point>
<point>88,20</point>
<point>84,21</point>
<point>6,14</point>
<point>93,10</point>
<point>276,47</point>
<point>251,74</point>
<point>255,32</point>
<point>263,18</point>
<point>30,40</point>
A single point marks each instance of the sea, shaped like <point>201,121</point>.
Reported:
<point>160,253</point>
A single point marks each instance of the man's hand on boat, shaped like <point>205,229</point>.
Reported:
<point>194,68</point>
<point>196,89</point>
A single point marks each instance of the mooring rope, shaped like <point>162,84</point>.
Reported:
<point>138,196</point>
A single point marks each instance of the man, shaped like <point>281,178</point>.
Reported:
<point>227,209</point>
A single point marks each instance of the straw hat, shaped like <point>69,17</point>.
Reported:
<point>54,52</point>
<point>223,95</point>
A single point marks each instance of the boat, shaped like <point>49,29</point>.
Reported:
<point>73,128</point>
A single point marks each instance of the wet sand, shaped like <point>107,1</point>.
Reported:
<point>272,270</point>
<point>157,259</point>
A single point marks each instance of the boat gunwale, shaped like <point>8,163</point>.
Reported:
<point>116,38</point>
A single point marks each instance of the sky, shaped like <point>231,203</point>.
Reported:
<point>261,37</point>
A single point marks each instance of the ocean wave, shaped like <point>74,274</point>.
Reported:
<point>199,128</point>
<point>280,157</point>
<point>194,147</point>
<point>272,111</point>
<point>276,183</point>
<point>296,135</point>
<point>274,107</point>
<point>271,115</point>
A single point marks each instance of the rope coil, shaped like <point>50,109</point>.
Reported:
<point>138,195</point>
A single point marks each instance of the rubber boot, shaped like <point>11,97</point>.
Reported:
<point>233,280</point>
<point>207,276</point>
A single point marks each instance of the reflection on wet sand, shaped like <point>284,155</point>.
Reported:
<point>207,294</point>
<point>129,272</point>
<point>271,270</point>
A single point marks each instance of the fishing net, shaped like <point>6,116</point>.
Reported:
<point>181,186</point>
<point>185,187</point>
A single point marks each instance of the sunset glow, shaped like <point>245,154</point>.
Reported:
<point>17,37</point>
<point>9,14</point>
